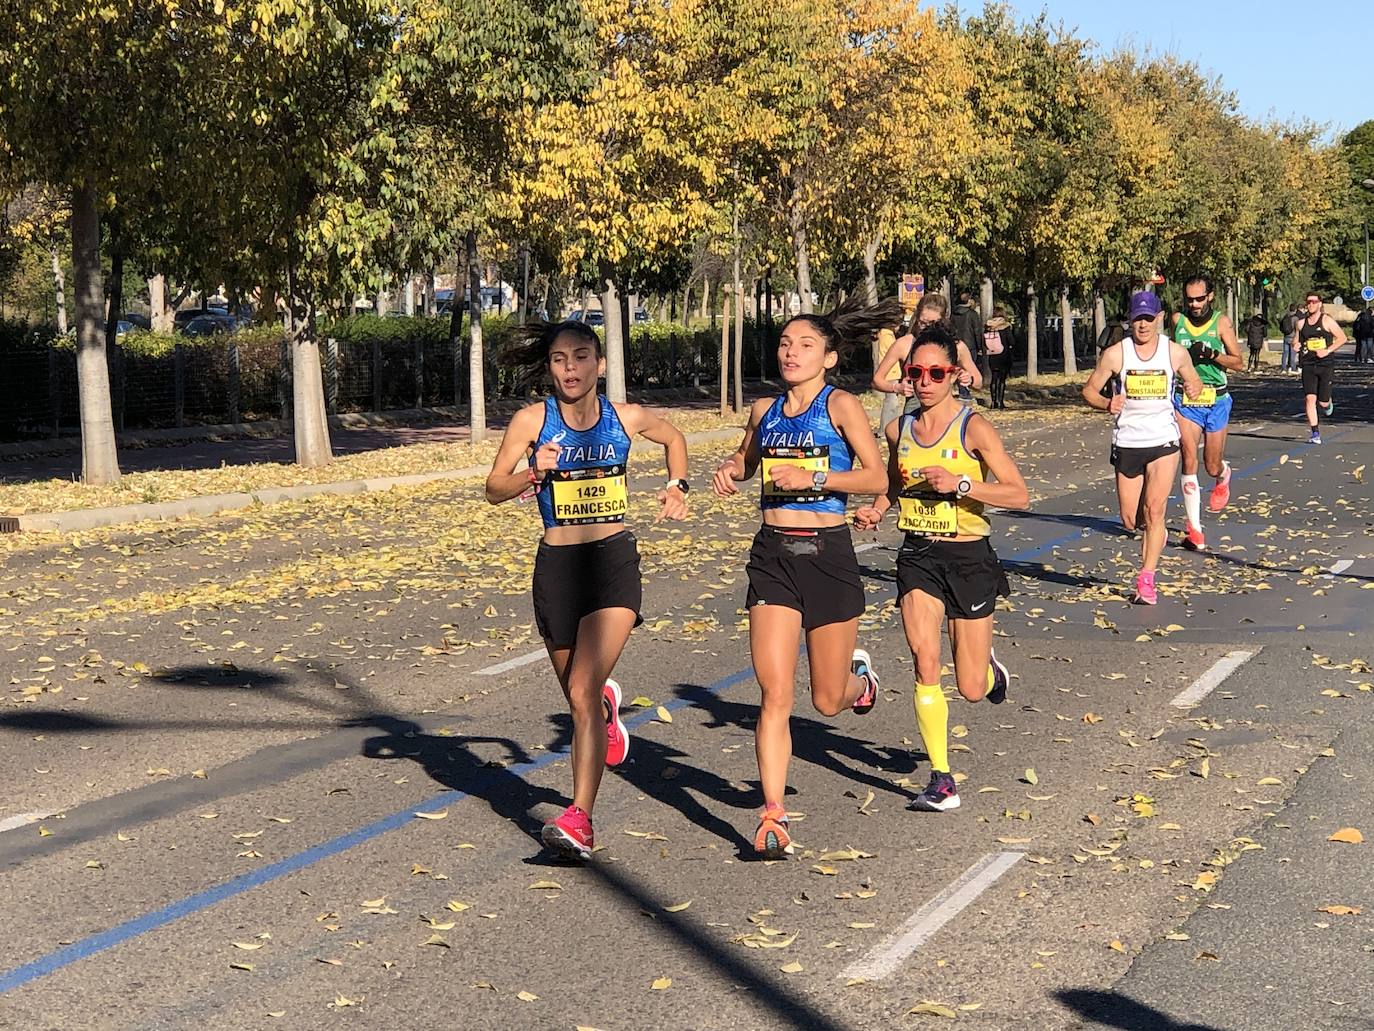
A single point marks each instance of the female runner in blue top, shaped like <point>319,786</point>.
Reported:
<point>573,448</point>
<point>803,573</point>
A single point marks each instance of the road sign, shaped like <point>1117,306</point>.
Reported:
<point>1367,293</point>
<point>911,290</point>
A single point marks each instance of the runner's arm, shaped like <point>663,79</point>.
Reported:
<point>893,356</point>
<point>867,517</point>
<point>1184,370</point>
<point>505,481</point>
<point>850,419</point>
<point>1232,360</point>
<point>1338,337</point>
<point>745,461</point>
<point>1108,365</point>
<point>1009,489</point>
<point>967,363</point>
<point>650,425</point>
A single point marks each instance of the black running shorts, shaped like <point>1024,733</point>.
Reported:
<point>813,571</point>
<point>575,580</point>
<point>966,575</point>
<point>1316,378</point>
<point>1130,462</point>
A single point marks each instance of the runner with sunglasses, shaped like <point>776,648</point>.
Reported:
<point>572,449</point>
<point>932,311</point>
<point>1145,432</point>
<point>945,464</point>
<point>1319,338</point>
<point>815,447</point>
<point>1211,341</point>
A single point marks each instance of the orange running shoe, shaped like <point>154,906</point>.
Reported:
<point>771,840</point>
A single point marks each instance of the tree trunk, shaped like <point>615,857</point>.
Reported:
<point>429,293</point>
<point>1066,332</point>
<point>724,353</point>
<point>803,259</point>
<point>628,302</point>
<point>408,304</point>
<point>99,460</point>
<point>615,340</point>
<point>267,306</point>
<point>986,301</point>
<point>739,316</point>
<point>687,304</point>
<point>1099,314</point>
<point>711,296</point>
<point>455,327</point>
<point>871,266</point>
<point>114,303</point>
<point>1032,335</point>
<point>308,418</point>
<point>477,386</point>
<point>1231,300</point>
<point>522,311</point>
<point>947,288</point>
<point>59,283</point>
<point>159,316</point>
<point>706,308</point>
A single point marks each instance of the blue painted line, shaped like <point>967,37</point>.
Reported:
<point>201,900</point>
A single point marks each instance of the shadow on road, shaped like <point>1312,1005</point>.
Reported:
<point>1119,1011</point>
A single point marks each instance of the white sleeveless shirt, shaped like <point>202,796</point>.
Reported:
<point>1147,420</point>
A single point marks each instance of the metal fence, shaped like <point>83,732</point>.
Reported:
<point>232,379</point>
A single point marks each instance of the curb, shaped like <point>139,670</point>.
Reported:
<point>210,504</point>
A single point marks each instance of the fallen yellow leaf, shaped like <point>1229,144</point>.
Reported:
<point>1349,835</point>
<point>663,714</point>
<point>661,984</point>
<point>440,815</point>
<point>677,908</point>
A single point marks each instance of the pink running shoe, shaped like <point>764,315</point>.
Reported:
<point>569,835</point>
<point>1220,495</point>
<point>1193,539</point>
<point>1145,593</point>
<point>617,737</point>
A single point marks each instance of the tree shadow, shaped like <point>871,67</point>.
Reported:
<point>1038,571</point>
<point>1120,1011</point>
<point>1107,525</point>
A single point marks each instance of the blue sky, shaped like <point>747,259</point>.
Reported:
<point>1293,61</point>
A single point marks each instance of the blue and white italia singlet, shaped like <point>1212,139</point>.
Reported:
<point>589,484</point>
<point>809,440</point>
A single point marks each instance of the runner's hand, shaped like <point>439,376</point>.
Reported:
<point>730,472</point>
<point>672,505</point>
<point>965,378</point>
<point>791,477</point>
<point>867,518</point>
<point>941,480</point>
<point>1192,391</point>
<point>905,387</point>
<point>1117,403</point>
<point>546,458</point>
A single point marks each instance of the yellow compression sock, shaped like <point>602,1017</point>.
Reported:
<point>932,719</point>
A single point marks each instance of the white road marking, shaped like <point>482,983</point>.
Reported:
<point>889,954</point>
<point>1211,680</point>
<point>868,547</point>
<point>1341,566</point>
<point>515,663</point>
<point>10,823</point>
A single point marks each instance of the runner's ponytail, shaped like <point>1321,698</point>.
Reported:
<point>529,355</point>
<point>852,324</point>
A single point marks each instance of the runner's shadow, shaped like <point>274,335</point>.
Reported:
<point>667,775</point>
<point>1120,1011</point>
<point>1111,527</point>
<point>820,744</point>
<point>1038,571</point>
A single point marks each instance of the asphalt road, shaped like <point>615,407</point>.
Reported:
<point>217,735</point>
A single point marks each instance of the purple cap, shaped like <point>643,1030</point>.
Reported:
<point>1144,304</point>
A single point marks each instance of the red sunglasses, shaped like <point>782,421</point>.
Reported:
<point>916,373</point>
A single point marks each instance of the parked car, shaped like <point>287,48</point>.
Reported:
<point>591,318</point>
<point>181,318</point>
<point>135,319</point>
<point>206,325</point>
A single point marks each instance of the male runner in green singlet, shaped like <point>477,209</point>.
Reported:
<point>1202,421</point>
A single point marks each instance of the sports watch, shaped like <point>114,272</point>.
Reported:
<point>679,483</point>
<point>964,486</point>
<point>818,479</point>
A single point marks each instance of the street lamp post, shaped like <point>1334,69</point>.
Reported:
<point>1368,184</point>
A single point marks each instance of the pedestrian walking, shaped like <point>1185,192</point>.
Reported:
<point>997,345</point>
<point>1288,325</point>
<point>1364,336</point>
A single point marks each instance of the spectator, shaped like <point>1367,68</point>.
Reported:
<point>967,324</point>
<point>1364,336</point>
<point>1288,325</point>
<point>1255,328</point>
<point>997,346</point>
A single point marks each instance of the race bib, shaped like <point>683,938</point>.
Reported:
<point>812,459</point>
<point>1146,385</point>
<point>1315,343</point>
<point>1206,399</point>
<point>928,515</point>
<point>596,495</point>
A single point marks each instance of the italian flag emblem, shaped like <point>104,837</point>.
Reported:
<point>949,452</point>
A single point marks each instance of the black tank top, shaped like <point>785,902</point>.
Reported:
<point>1308,332</point>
